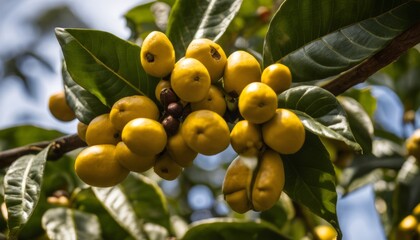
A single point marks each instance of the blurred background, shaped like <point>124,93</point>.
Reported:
<point>30,71</point>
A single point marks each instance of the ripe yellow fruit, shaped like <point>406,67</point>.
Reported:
<point>166,168</point>
<point>237,183</point>
<point>269,181</point>
<point>157,55</point>
<point>257,102</point>
<point>413,144</point>
<point>179,151</point>
<point>131,107</point>
<point>101,131</point>
<point>408,224</point>
<point>97,166</point>
<point>241,69</point>
<point>132,161</point>
<point>278,77</point>
<point>210,54</point>
<point>162,84</point>
<point>206,132</point>
<point>284,132</point>
<point>144,136</point>
<point>325,232</point>
<point>215,101</point>
<point>57,104</point>
<point>190,80</point>
<point>81,130</point>
<point>246,138</point>
<point>416,211</point>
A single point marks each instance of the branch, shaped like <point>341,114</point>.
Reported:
<point>360,73</point>
<point>60,147</point>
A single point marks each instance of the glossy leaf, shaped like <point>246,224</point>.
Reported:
<point>320,113</point>
<point>199,19</point>
<point>139,199</point>
<point>232,228</point>
<point>86,201</point>
<point>326,39</point>
<point>360,123</point>
<point>310,179</point>
<point>105,65</point>
<point>64,223</point>
<point>84,104</point>
<point>22,188</point>
<point>25,134</point>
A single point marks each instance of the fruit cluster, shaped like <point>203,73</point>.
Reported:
<point>195,93</point>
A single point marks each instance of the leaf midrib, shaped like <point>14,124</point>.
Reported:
<point>104,65</point>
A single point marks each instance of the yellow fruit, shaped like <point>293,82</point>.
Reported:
<point>131,107</point>
<point>237,183</point>
<point>144,136</point>
<point>101,131</point>
<point>190,80</point>
<point>57,104</point>
<point>132,161</point>
<point>257,102</point>
<point>179,151</point>
<point>81,130</point>
<point>206,132</point>
<point>97,166</point>
<point>269,181</point>
<point>284,132</point>
<point>278,77</point>
<point>325,232</point>
<point>408,224</point>
<point>246,138</point>
<point>416,211</point>
<point>413,144</point>
<point>241,69</point>
<point>215,101</point>
<point>162,84</point>
<point>210,54</point>
<point>157,55</point>
<point>166,168</point>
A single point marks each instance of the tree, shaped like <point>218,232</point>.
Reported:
<point>329,47</point>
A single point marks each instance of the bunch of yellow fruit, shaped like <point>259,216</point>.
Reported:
<point>136,136</point>
<point>255,179</point>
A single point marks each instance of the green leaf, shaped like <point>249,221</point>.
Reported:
<point>84,104</point>
<point>232,228</point>
<point>22,188</point>
<point>365,98</point>
<point>86,201</point>
<point>363,165</point>
<point>310,179</point>
<point>26,134</point>
<point>147,17</point>
<point>360,123</point>
<point>140,199</point>
<point>64,223</point>
<point>105,65</point>
<point>320,113</point>
<point>326,39</point>
<point>199,19</point>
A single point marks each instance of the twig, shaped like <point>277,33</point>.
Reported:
<point>60,147</point>
<point>360,73</point>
